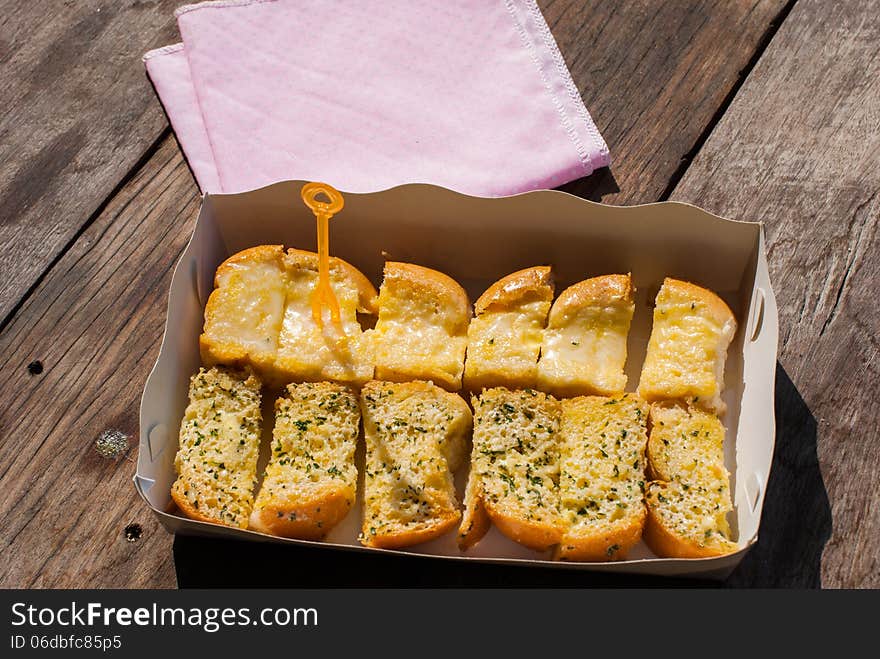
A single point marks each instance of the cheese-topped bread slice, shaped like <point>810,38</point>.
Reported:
<point>692,330</point>
<point>421,333</point>
<point>216,460</point>
<point>584,347</point>
<point>504,337</point>
<point>416,436</point>
<point>514,473</point>
<point>311,479</point>
<point>244,311</point>
<point>689,501</point>
<point>602,476</point>
<point>308,352</point>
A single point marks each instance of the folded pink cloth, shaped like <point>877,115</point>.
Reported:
<point>472,95</point>
<point>169,71</point>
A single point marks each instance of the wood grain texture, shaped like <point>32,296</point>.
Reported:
<point>95,322</point>
<point>78,115</point>
<point>652,75</point>
<point>96,317</point>
<point>799,149</point>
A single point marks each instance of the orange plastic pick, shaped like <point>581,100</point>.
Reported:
<point>323,295</point>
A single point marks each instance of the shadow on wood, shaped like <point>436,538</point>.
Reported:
<point>205,563</point>
<point>796,521</point>
<point>593,187</point>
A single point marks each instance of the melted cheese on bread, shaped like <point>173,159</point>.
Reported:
<point>309,352</point>
<point>504,338</point>
<point>584,347</point>
<point>421,333</point>
<point>244,312</point>
<point>692,330</point>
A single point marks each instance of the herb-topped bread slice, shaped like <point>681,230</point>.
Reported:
<point>244,311</point>
<point>686,444</point>
<point>692,330</point>
<point>416,436</point>
<point>584,348</point>
<point>311,479</point>
<point>514,468</point>
<point>219,444</point>
<point>685,522</point>
<point>504,337</point>
<point>310,352</point>
<point>689,501</point>
<point>421,333</point>
<point>602,476</point>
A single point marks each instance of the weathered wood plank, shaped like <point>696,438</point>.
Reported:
<point>78,115</point>
<point>653,74</point>
<point>799,149</point>
<point>95,323</point>
<point>639,66</point>
<point>96,318</point>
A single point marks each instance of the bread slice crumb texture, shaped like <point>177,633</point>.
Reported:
<point>311,479</point>
<point>686,444</point>
<point>688,521</point>
<point>216,461</point>
<point>416,435</point>
<point>690,499</point>
<point>515,462</point>
<point>602,476</point>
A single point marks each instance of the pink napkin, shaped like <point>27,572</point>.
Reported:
<point>472,95</point>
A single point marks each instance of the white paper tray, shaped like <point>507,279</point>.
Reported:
<point>476,241</point>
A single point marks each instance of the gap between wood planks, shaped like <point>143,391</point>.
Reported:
<point>763,43</point>
<point>129,175</point>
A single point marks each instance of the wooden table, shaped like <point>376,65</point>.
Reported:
<point>754,109</point>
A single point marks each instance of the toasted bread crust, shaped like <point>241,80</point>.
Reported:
<point>664,542</point>
<point>605,290</point>
<point>497,378</point>
<point>225,353</point>
<point>539,536</point>
<point>257,254</point>
<point>521,286</point>
<point>475,521</point>
<point>414,535</point>
<point>188,510</point>
<point>448,292</point>
<point>403,376</point>
<point>718,309</point>
<point>368,297</point>
<point>305,520</point>
<point>611,545</point>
